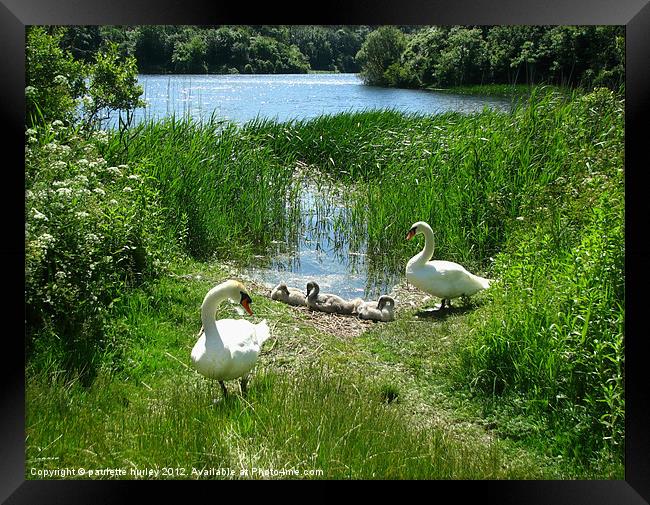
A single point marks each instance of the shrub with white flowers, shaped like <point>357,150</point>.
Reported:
<point>88,236</point>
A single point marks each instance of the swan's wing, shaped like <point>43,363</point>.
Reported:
<point>238,332</point>
<point>457,279</point>
<point>447,267</point>
<point>262,332</point>
<point>234,332</point>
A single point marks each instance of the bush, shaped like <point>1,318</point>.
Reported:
<point>91,231</point>
<point>53,79</point>
<point>59,88</point>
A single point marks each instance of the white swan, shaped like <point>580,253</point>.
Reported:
<point>326,302</point>
<point>228,348</point>
<point>443,279</point>
<point>381,310</point>
<point>292,296</point>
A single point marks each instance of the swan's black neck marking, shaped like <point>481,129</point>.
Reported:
<point>245,297</point>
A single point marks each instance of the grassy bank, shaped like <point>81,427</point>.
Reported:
<point>533,367</point>
<point>515,91</point>
<point>308,409</point>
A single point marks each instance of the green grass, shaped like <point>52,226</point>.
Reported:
<point>305,411</point>
<point>516,91</point>
<point>525,381</point>
<point>308,421</point>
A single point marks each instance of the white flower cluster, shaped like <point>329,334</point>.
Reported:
<point>61,80</point>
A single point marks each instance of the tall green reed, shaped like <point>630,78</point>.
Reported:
<point>553,343</point>
<point>224,191</point>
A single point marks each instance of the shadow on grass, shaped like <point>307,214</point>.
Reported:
<point>441,314</point>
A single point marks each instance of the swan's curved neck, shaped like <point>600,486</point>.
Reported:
<point>313,294</point>
<point>426,253</point>
<point>208,312</point>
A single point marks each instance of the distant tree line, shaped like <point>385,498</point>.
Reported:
<point>226,49</point>
<point>399,56</point>
<point>458,55</point>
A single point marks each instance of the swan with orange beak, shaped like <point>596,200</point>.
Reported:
<point>443,279</point>
<point>228,349</point>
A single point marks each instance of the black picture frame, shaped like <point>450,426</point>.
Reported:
<point>634,14</point>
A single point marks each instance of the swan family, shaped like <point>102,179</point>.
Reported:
<point>379,310</point>
<point>228,349</point>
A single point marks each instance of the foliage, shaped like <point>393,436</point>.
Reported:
<point>266,55</point>
<point>91,231</point>
<point>227,49</point>
<point>188,55</point>
<point>54,79</point>
<point>553,346</point>
<point>402,56</point>
<point>113,85</point>
<point>381,49</point>
<point>584,56</point>
<point>58,87</point>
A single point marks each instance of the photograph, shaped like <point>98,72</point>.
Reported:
<point>326,252</point>
<point>421,227</point>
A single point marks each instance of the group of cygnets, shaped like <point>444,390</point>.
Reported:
<point>228,348</point>
<point>376,310</point>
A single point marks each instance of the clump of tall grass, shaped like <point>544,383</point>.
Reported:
<point>224,191</point>
<point>552,345</point>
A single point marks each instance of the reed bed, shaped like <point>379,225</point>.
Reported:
<point>224,191</point>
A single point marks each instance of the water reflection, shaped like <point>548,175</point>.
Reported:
<point>321,245</point>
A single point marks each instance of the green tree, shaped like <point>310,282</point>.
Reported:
<point>62,88</point>
<point>152,49</point>
<point>382,48</point>
<point>189,55</point>
<point>531,51</point>
<point>268,55</point>
<point>112,86</point>
<point>54,79</point>
<point>346,42</point>
<point>314,42</point>
<point>82,41</point>
<point>502,47</point>
<point>422,52</point>
<point>226,48</point>
<point>464,60</point>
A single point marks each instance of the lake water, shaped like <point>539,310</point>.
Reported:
<point>241,98</point>
<point>317,254</point>
<point>322,253</point>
